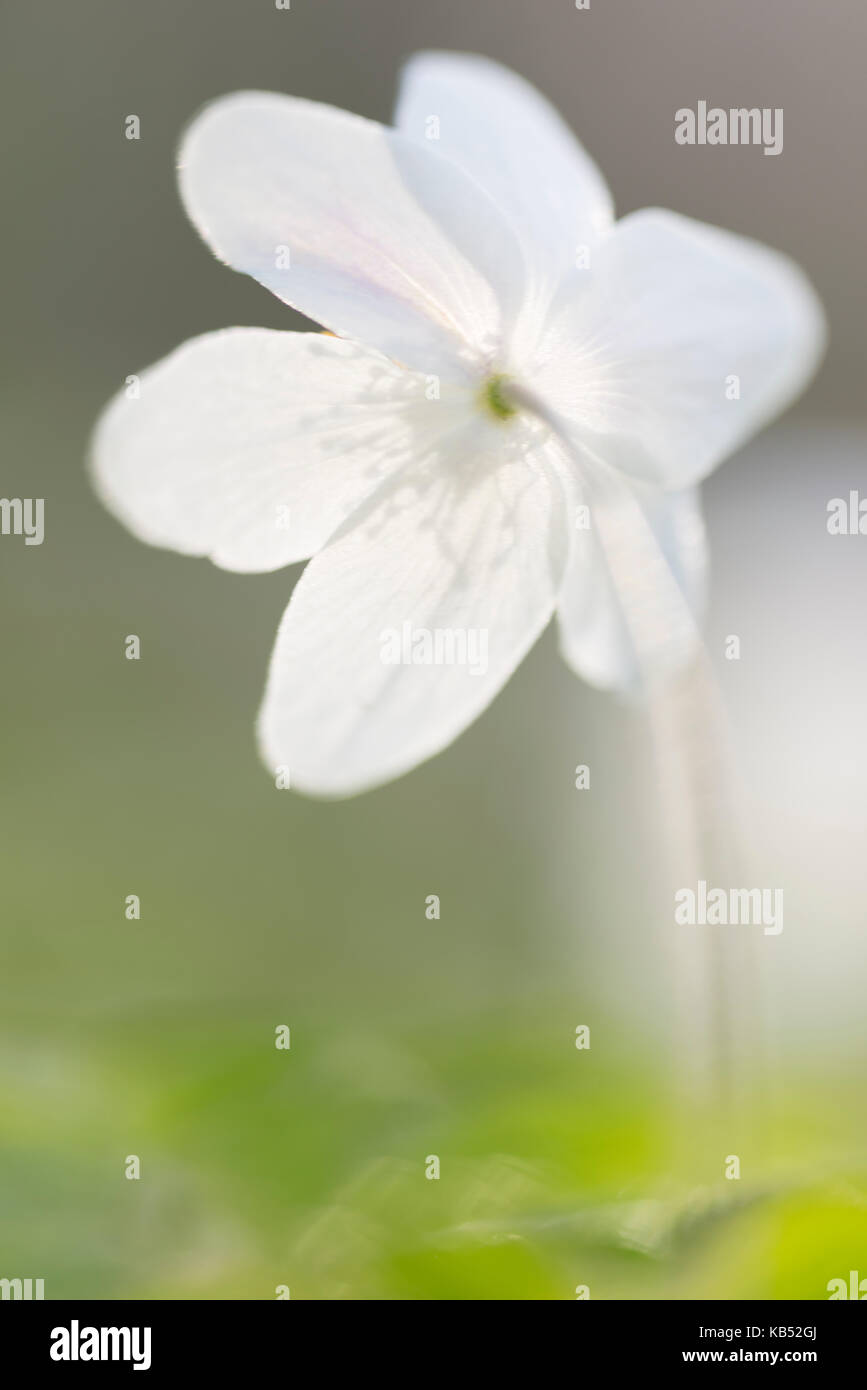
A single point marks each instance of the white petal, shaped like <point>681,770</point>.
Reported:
<point>635,587</point>
<point>252,446</point>
<point>350,222</point>
<point>685,341</point>
<point>473,547</point>
<point>515,145</point>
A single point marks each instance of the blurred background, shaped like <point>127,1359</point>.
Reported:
<point>409,1038</point>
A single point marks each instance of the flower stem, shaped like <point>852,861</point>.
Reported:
<point>715,988</point>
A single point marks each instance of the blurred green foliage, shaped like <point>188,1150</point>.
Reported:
<point>306,1167</point>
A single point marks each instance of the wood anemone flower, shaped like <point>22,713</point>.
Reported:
<point>510,366</point>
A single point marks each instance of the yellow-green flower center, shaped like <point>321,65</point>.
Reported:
<point>495,397</point>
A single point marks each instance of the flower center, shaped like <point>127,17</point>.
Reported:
<point>494,397</point>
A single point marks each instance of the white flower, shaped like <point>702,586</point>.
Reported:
<point>505,355</point>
